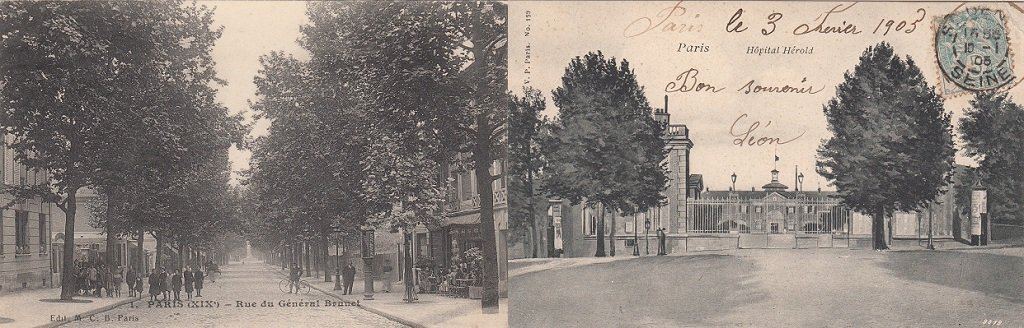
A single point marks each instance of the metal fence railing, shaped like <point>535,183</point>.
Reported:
<point>735,215</point>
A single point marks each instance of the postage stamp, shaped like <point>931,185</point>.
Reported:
<point>973,49</point>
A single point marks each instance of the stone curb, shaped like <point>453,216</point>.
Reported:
<point>990,246</point>
<point>363,305</point>
<point>374,310</point>
<point>91,312</point>
<point>967,248</point>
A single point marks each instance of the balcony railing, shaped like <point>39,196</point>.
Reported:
<point>21,250</point>
<point>678,130</point>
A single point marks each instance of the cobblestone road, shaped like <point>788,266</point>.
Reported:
<point>777,288</point>
<point>220,307</point>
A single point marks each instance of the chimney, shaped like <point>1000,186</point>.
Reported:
<point>796,178</point>
<point>661,115</point>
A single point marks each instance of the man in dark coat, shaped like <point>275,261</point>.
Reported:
<point>154,285</point>
<point>130,278</point>
<point>661,242</point>
<point>165,284</point>
<point>348,277</point>
<point>189,283</point>
<point>176,285</point>
<point>197,278</point>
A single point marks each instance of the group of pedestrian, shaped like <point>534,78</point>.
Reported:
<point>95,278</point>
<point>165,284</point>
<point>134,281</point>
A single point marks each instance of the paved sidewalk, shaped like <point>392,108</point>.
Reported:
<point>429,310</point>
<point>523,266</point>
<point>27,308</point>
<point>953,245</point>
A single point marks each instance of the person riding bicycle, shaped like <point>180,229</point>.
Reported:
<point>293,278</point>
<point>212,270</point>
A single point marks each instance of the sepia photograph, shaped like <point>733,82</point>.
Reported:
<point>766,164</point>
<point>231,164</point>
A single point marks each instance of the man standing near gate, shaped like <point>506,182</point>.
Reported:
<point>348,276</point>
<point>661,241</point>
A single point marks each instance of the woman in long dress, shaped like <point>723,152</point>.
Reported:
<point>189,284</point>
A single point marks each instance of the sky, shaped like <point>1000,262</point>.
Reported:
<point>694,40</point>
<point>251,29</point>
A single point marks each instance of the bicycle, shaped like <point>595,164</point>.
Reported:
<point>284,285</point>
<point>212,275</point>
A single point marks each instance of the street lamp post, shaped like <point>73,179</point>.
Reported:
<point>800,181</point>
<point>367,252</point>
<point>337,256</point>
<point>733,176</point>
<point>930,245</point>
<point>647,239</point>
<point>551,234</point>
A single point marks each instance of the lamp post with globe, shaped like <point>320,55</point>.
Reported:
<point>336,230</point>
<point>800,181</point>
<point>733,177</point>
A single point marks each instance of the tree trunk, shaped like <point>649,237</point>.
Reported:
<point>159,251</point>
<point>344,251</point>
<point>67,276</point>
<point>407,279</point>
<point>181,255</point>
<point>878,230</point>
<point>108,229</point>
<point>482,162</point>
<point>142,252</point>
<point>532,231</point>
<point>611,236</point>
<point>314,268</point>
<point>305,250</point>
<point>532,210</point>
<point>600,233</point>
<point>328,264</point>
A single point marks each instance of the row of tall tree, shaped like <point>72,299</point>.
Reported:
<point>120,97</point>
<point>360,131</point>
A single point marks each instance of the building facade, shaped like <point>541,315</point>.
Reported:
<point>24,229</point>
<point>773,217</point>
<point>90,241</point>
<point>460,230</point>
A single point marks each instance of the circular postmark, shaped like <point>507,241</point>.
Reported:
<point>973,49</point>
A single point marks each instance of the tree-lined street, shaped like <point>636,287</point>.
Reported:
<point>252,282</point>
<point>368,133</point>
